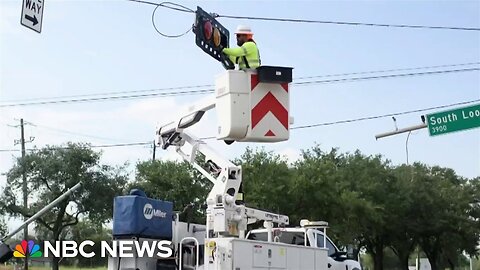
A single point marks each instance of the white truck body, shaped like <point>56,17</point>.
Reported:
<point>311,238</point>
<point>242,254</point>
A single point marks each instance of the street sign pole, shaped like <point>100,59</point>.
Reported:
<point>399,131</point>
<point>444,122</point>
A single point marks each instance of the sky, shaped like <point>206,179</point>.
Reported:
<point>95,47</point>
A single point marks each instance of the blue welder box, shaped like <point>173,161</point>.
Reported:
<point>139,216</point>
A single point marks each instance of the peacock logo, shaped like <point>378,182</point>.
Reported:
<point>30,247</point>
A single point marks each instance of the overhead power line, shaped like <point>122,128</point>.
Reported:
<point>177,7</point>
<point>164,89</point>
<point>385,115</point>
<point>387,70</point>
<point>169,5</point>
<point>388,76</point>
<point>58,130</point>
<point>173,6</point>
<point>211,85</point>
<point>163,94</point>
<point>352,23</point>
<point>296,127</point>
<point>91,146</point>
<point>205,91</point>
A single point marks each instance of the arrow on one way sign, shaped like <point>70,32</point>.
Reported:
<point>33,20</point>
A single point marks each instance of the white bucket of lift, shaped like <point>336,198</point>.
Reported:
<point>250,109</point>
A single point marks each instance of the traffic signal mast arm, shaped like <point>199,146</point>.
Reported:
<point>224,216</point>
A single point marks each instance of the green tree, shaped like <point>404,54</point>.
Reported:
<point>402,206</point>
<point>347,191</point>
<point>444,209</point>
<point>370,203</point>
<point>317,187</point>
<point>371,179</point>
<point>86,230</point>
<point>266,179</point>
<point>173,181</point>
<point>51,171</point>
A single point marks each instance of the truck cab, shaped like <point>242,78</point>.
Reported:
<point>312,237</point>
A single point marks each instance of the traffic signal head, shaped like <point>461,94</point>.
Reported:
<point>212,37</point>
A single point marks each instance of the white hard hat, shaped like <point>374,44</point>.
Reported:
<point>243,29</point>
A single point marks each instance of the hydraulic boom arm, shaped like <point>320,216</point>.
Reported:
<point>224,216</point>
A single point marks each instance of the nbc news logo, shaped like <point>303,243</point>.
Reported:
<point>24,248</point>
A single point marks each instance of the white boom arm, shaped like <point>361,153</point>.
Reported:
<point>168,133</point>
<point>224,216</point>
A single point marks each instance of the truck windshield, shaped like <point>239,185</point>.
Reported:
<point>292,238</point>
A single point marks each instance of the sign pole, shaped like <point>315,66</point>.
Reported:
<point>399,131</point>
<point>444,122</point>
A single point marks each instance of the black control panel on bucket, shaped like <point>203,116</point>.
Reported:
<point>272,74</point>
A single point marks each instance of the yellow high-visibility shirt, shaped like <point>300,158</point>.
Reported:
<point>248,51</point>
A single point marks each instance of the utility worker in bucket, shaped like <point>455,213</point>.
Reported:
<point>247,55</point>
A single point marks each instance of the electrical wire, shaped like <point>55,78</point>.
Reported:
<point>90,146</point>
<point>386,76</point>
<point>168,94</point>
<point>211,90</point>
<point>71,132</point>
<point>174,6</point>
<point>186,9</point>
<point>406,144</point>
<point>115,93</point>
<point>155,26</point>
<point>384,115</point>
<point>169,5</point>
<point>387,70</point>
<point>293,128</point>
<point>211,85</point>
<point>351,23</point>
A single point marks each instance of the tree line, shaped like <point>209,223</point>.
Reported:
<point>371,205</point>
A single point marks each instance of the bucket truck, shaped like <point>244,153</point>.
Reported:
<point>251,106</point>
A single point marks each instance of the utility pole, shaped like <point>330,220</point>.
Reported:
<point>24,179</point>
<point>154,148</point>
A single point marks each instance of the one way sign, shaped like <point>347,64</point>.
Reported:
<point>32,14</point>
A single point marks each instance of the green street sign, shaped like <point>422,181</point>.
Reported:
<point>454,120</point>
